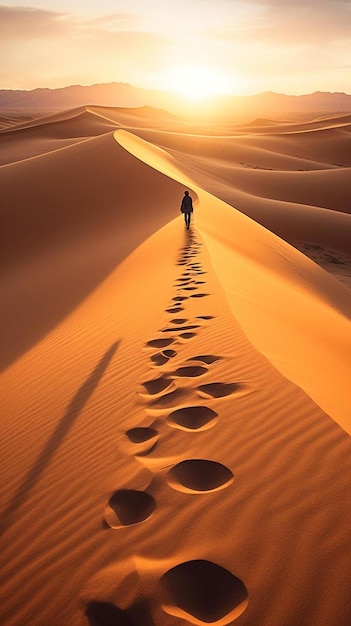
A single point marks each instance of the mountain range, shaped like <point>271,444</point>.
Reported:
<point>126,95</point>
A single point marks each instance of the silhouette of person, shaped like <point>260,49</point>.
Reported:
<point>187,208</point>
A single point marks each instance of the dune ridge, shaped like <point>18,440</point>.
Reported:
<point>288,278</point>
<point>175,403</point>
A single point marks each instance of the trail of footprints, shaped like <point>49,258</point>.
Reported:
<point>197,589</point>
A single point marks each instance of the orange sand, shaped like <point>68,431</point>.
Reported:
<point>175,404</point>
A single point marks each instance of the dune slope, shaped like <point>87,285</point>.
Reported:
<point>304,314</point>
<point>76,214</point>
<point>175,444</point>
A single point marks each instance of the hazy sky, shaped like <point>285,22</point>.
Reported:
<point>247,46</point>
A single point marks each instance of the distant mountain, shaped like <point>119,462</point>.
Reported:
<point>113,94</point>
<point>267,104</point>
<point>330,102</point>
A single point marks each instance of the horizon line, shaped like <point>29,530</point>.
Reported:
<point>168,91</point>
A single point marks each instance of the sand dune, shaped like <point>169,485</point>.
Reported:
<point>83,225</point>
<point>286,182</point>
<point>50,133</point>
<point>175,410</point>
<point>6,121</point>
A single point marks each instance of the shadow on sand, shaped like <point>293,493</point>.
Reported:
<point>73,410</point>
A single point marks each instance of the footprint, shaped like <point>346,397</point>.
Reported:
<point>180,298</point>
<point>106,614</point>
<point>159,343</point>
<point>193,418</point>
<point>159,358</point>
<point>179,320</point>
<point>175,309</point>
<point>169,353</point>
<point>144,439</point>
<point>204,591</point>
<point>140,435</point>
<point>127,507</point>
<point>168,399</point>
<point>187,335</point>
<point>205,317</point>
<point>199,295</point>
<point>206,358</point>
<point>199,475</point>
<point>189,289</point>
<point>156,385</point>
<point>219,390</point>
<point>171,330</point>
<point>190,371</point>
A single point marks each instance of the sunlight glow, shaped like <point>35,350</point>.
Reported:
<point>196,82</point>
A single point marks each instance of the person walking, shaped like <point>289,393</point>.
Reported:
<point>187,208</point>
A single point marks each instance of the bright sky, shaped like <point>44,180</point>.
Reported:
<point>204,46</point>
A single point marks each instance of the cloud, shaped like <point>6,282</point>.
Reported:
<point>115,22</point>
<point>29,23</point>
<point>302,22</point>
<point>311,23</point>
<point>123,45</point>
<point>46,48</point>
<point>33,23</point>
<point>23,29</point>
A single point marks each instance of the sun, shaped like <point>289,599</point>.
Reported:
<point>196,82</point>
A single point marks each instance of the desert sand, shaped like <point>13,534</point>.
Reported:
<point>175,403</point>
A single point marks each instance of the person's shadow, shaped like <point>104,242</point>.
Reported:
<point>72,412</point>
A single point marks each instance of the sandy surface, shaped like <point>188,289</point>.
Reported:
<point>175,403</point>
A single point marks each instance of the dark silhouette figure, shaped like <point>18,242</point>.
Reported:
<point>187,208</point>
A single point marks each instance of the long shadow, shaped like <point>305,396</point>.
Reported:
<point>72,412</point>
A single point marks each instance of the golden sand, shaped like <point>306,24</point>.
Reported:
<point>175,403</point>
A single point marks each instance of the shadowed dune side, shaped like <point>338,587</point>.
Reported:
<point>11,118</point>
<point>7,121</point>
<point>65,228</point>
<point>303,312</point>
<point>50,133</point>
<point>65,121</point>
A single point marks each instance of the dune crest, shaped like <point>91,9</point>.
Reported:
<point>265,278</point>
<point>175,444</point>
